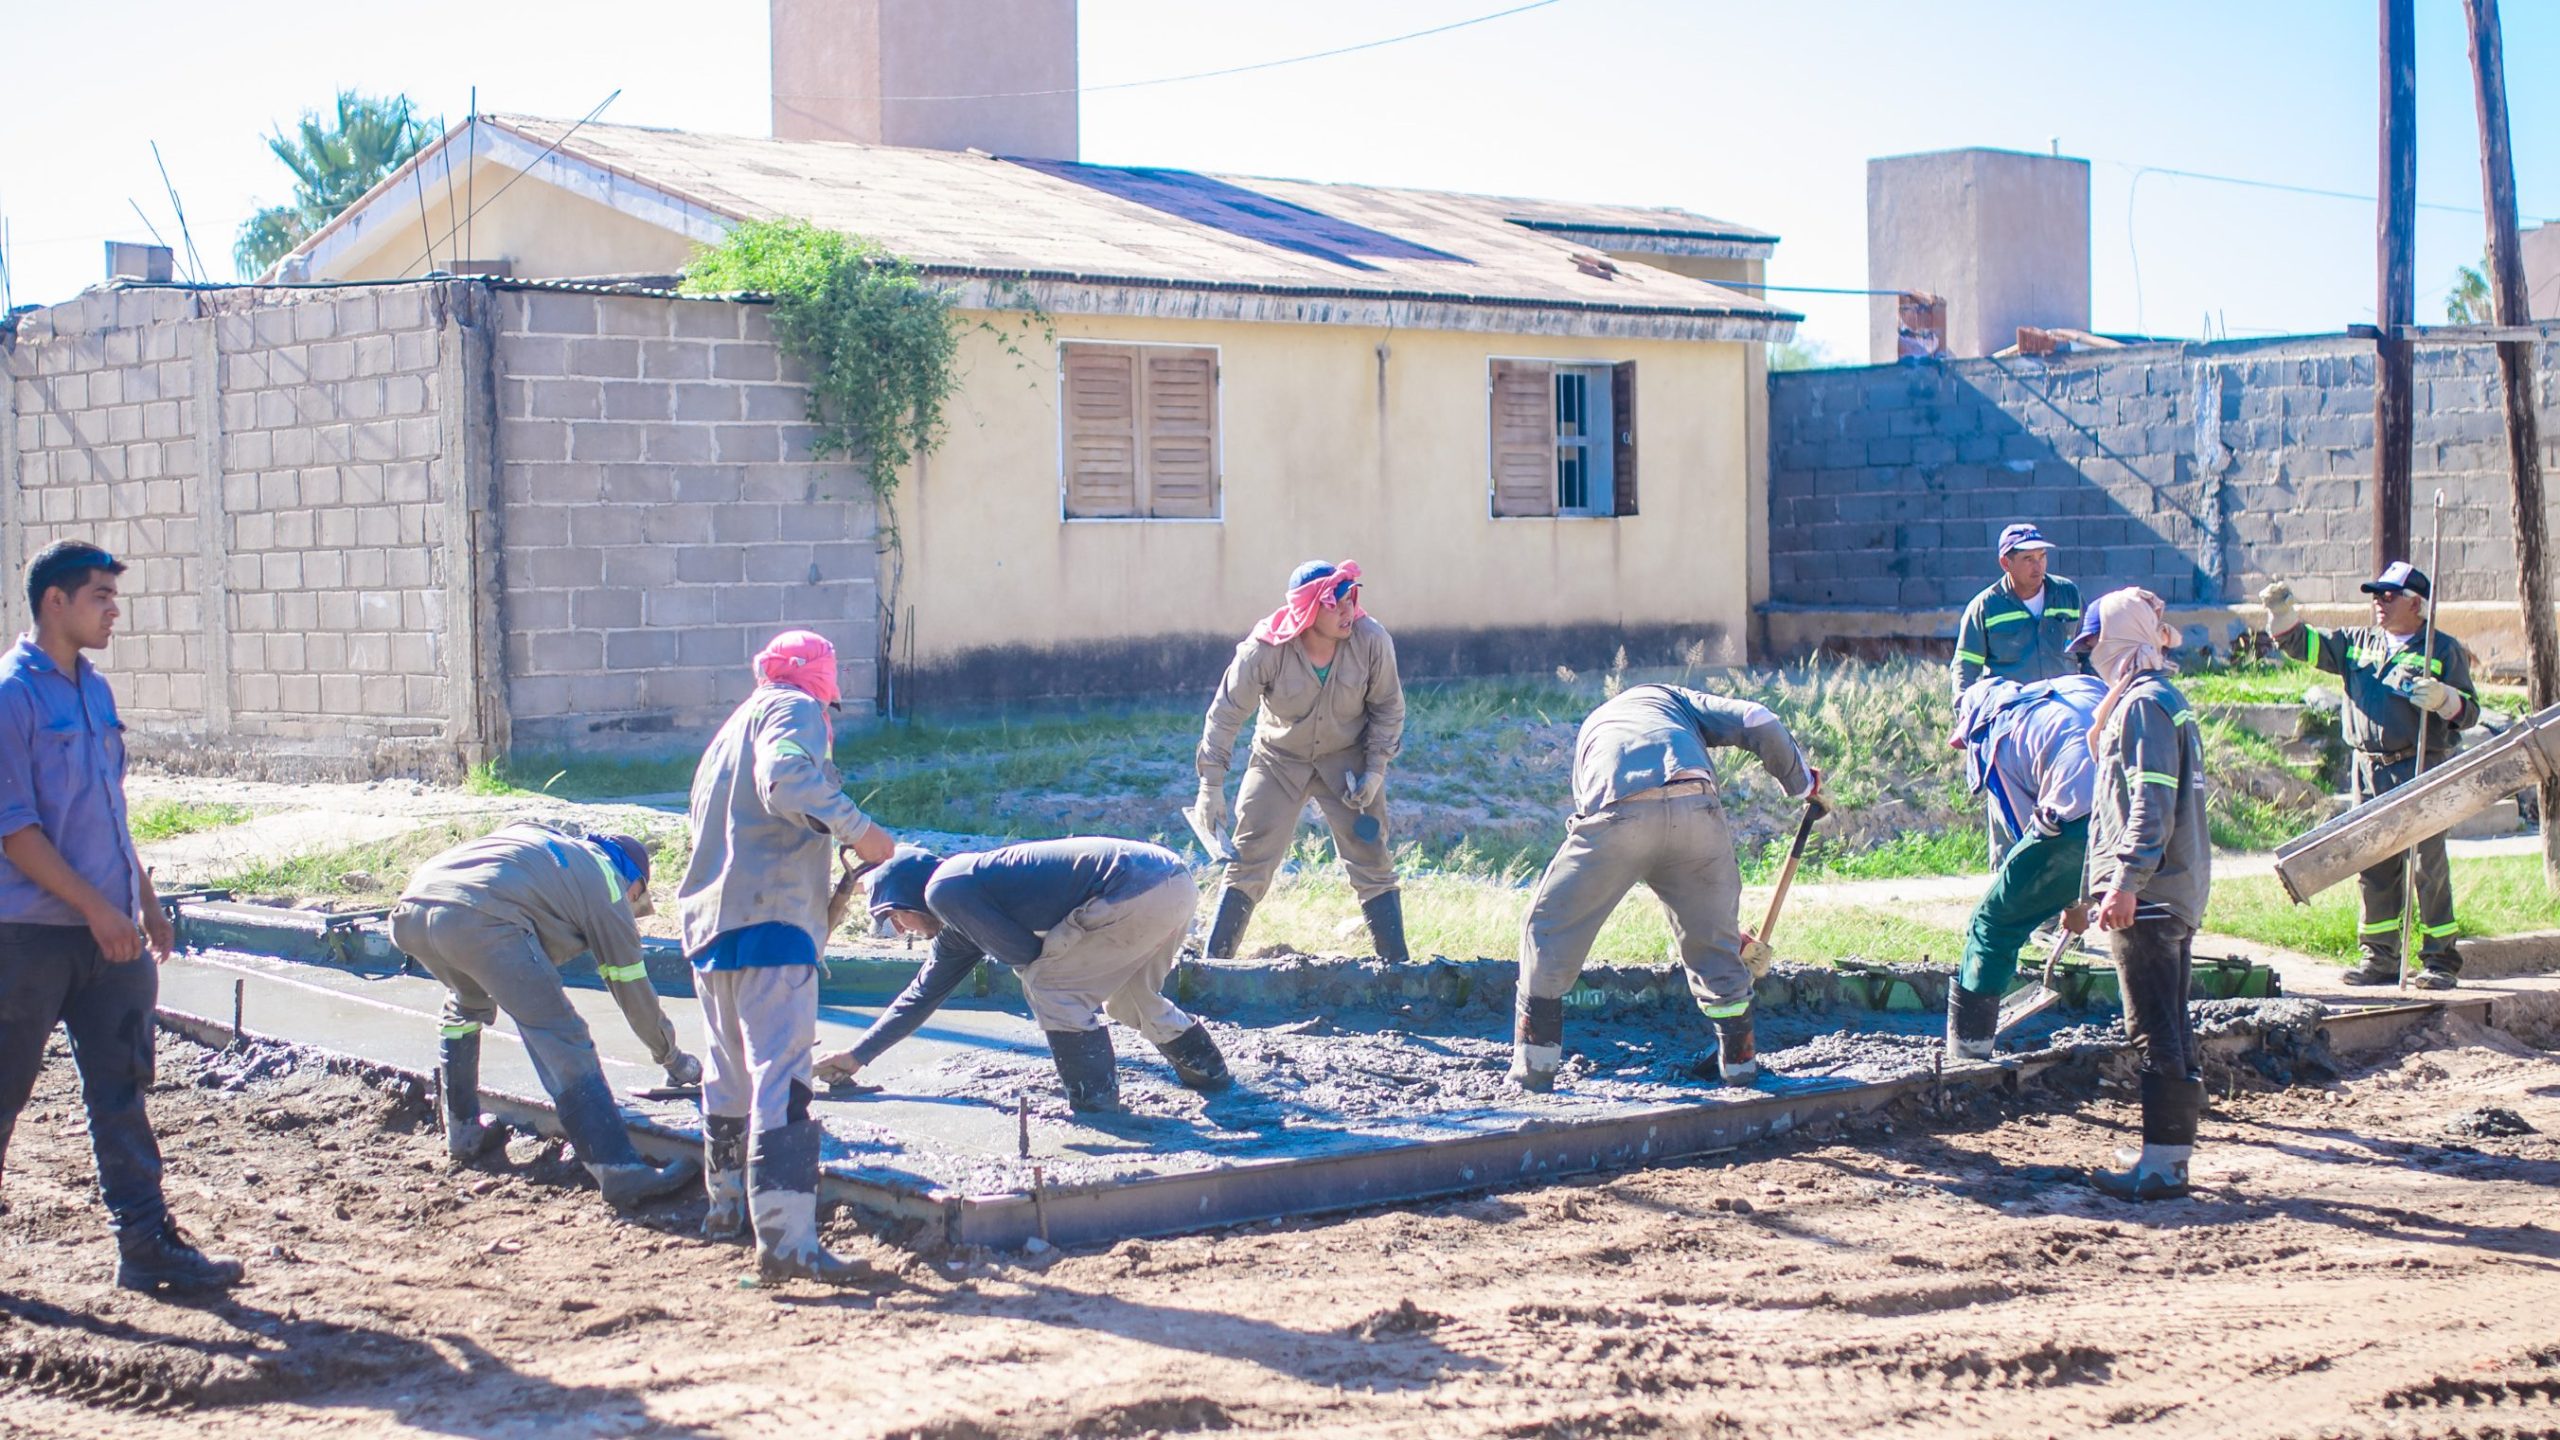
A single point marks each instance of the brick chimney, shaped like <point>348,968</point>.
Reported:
<point>873,71</point>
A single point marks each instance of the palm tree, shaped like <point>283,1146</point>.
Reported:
<point>332,166</point>
<point>2467,303</point>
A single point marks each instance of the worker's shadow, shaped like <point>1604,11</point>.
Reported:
<point>443,1383</point>
<point>1390,1351</point>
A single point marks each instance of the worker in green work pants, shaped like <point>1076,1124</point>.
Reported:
<point>2018,629</point>
<point>493,919</point>
<point>2027,752</point>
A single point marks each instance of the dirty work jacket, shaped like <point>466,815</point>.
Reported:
<point>1299,719</point>
<point>768,811</point>
<point>62,771</point>
<point>567,894</point>
<point>2149,833</point>
<point>1999,636</point>
<point>2379,720</point>
<point>2041,775</point>
<point>1642,737</point>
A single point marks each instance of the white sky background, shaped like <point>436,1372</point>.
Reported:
<point>1755,112</point>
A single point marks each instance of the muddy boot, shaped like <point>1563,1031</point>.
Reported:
<point>1087,1070</point>
<point>1736,1061</point>
<point>724,1177</point>
<point>1226,932</point>
<point>2170,1108</point>
<point>160,1256</point>
<point>782,1185</point>
<point>1971,1019</point>
<point>1196,1061</point>
<point>594,1125</point>
<point>1537,1043</point>
<point>1385,914</point>
<point>468,1137</point>
<point>2377,969</point>
<point>2434,977</point>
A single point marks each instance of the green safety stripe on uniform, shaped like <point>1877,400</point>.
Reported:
<point>2154,777</point>
<point>2437,932</point>
<point>1724,1012</point>
<point>2183,717</point>
<point>2315,646</point>
<point>1976,659</point>
<point>2379,927</point>
<point>2061,612</point>
<point>2392,659</point>
<point>456,1032</point>
<point>624,974</point>
<point>790,747</point>
<point>2005,618</point>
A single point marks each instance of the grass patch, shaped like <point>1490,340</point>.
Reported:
<point>351,876</point>
<point>2492,895</point>
<point>2264,683</point>
<point>167,819</point>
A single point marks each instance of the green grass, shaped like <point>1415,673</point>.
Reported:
<point>2493,895</point>
<point>371,873</point>
<point>2270,683</point>
<point>167,819</point>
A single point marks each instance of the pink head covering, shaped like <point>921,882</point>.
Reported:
<point>803,660</point>
<point>1299,611</point>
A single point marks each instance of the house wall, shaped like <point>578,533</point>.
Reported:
<point>1337,442</point>
<point>542,229</point>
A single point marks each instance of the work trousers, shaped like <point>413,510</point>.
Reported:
<point>2383,900</point>
<point>1679,846</point>
<point>1275,793</point>
<point>1112,957</point>
<point>54,975</point>
<point>2155,970</point>
<point>488,965</point>
<point>2038,879</point>
<point>762,1029</point>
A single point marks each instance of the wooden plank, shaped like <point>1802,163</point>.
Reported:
<point>1101,399</point>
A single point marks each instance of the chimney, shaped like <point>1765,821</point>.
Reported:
<point>128,261</point>
<point>1999,239</point>
<point>993,75</point>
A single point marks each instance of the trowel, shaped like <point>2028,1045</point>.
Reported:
<point>1367,826</point>
<point>2036,998</point>
<point>1217,846</point>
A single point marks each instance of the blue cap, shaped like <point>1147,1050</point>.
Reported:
<point>2088,635</point>
<point>2400,575</point>
<point>1314,570</point>
<point>2022,536</point>
<point>899,882</point>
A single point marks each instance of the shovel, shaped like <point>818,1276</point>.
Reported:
<point>1756,954</point>
<point>2036,998</point>
<point>848,886</point>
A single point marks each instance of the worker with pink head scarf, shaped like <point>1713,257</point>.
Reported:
<point>1318,679</point>
<point>769,812</point>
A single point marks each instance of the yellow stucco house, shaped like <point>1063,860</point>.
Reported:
<point>1539,426</point>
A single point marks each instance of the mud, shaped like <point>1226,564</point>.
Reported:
<point>2488,1122</point>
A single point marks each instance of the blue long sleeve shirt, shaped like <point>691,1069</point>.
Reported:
<point>62,765</point>
<point>1004,900</point>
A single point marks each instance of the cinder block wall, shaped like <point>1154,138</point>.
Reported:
<point>2201,471</point>
<point>663,518</point>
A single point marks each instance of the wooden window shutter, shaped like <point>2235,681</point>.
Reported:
<point>1622,418</point>
<point>1181,412</point>
<point>1101,384</point>
<point>1523,405</point>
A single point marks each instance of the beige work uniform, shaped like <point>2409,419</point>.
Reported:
<point>1310,736</point>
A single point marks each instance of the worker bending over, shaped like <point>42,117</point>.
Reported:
<point>494,919</point>
<point>1646,809</point>
<point>1092,927</point>
<point>769,812</point>
<point>2392,690</point>
<point>2027,751</point>
<point>2151,869</point>
<point>1318,679</point>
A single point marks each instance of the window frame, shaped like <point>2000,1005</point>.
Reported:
<point>1601,475</point>
<point>1218,424</point>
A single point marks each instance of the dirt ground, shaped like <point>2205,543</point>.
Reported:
<point>2350,1267</point>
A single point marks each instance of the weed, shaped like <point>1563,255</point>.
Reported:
<point>2492,895</point>
<point>166,819</point>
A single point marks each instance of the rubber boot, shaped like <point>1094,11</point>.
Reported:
<point>1537,1042</point>
<point>1196,1060</point>
<point>1226,932</point>
<point>1971,1019</point>
<point>160,1256</point>
<point>782,1186</point>
<point>2377,969</point>
<point>724,1177</point>
<point>1736,1060</point>
<point>1385,913</point>
<point>2434,977</point>
<point>2170,1108</point>
<point>594,1125</point>
<point>468,1138</point>
<point>1087,1070</point>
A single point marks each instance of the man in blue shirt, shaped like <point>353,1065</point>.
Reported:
<point>77,910</point>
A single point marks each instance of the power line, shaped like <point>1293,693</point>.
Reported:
<point>2311,190</point>
<point>195,262</point>
<point>535,164</point>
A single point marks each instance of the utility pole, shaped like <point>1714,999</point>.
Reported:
<point>2515,366</point>
<point>2395,304</point>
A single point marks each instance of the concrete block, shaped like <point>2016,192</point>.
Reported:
<point>744,524</point>
<point>681,606</point>
<point>747,444</point>
<point>744,362</point>
<point>640,649</point>
<point>671,444</point>
<point>636,400</point>
<point>632,315</point>
<point>602,441</point>
<point>645,568</point>
<point>783,403</point>
<point>558,314</point>
<point>704,319</point>
<point>564,399</point>
<point>313,320</point>
<point>605,525</point>
<point>640,484</point>
<point>533,355</point>
<point>674,360</point>
<point>710,564</point>
<point>762,604</point>
<point>605,359</point>
<point>530,440</point>
<point>715,646</point>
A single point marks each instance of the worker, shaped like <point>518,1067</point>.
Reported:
<point>769,812</point>
<point>2151,870</point>
<point>2019,629</point>
<point>80,925</point>
<point>1318,679</point>
<point>1091,927</point>
<point>1646,809</point>
<point>2027,751</point>
<point>2390,693</point>
<point>494,918</point>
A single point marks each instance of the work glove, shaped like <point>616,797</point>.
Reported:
<point>683,1069</point>
<point>1813,795</point>
<point>1757,957</point>
<point>2278,598</point>
<point>1211,806</point>
<point>2434,696</point>
<point>1367,789</point>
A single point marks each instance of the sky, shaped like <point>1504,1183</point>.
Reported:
<point>1739,109</point>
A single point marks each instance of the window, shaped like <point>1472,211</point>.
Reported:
<point>1141,432</point>
<point>1564,438</point>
